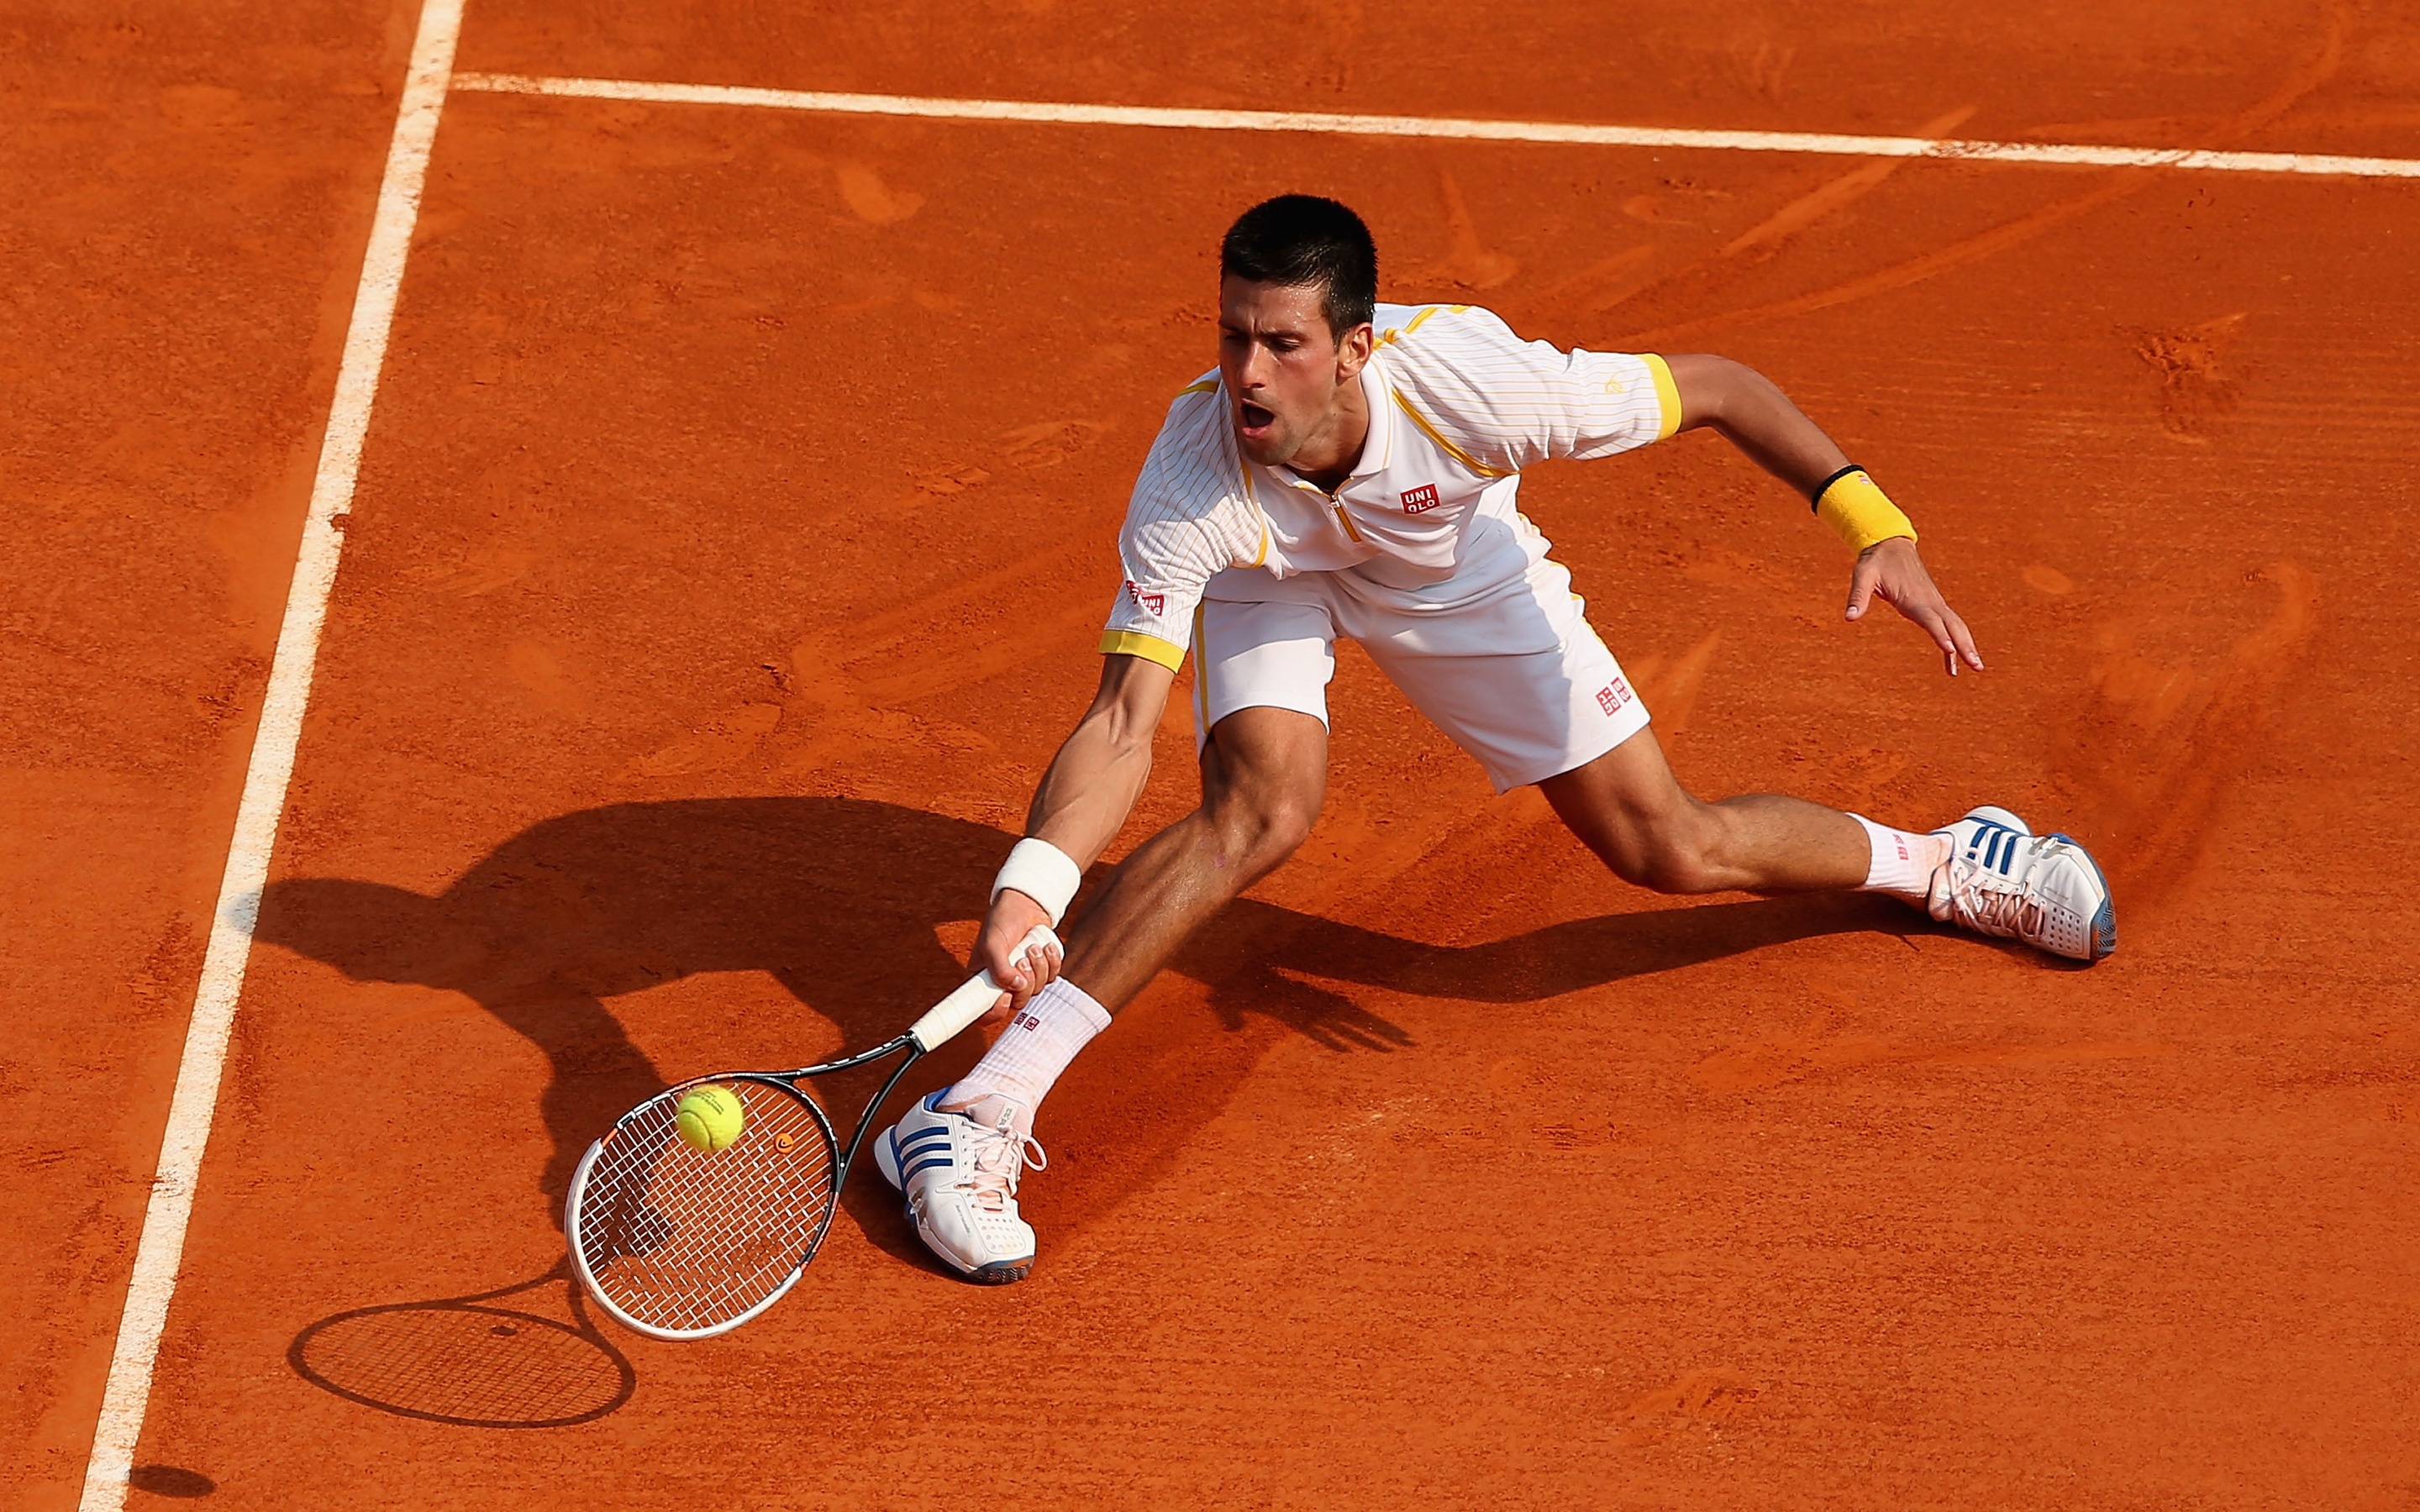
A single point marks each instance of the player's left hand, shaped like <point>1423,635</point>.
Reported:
<point>1891,571</point>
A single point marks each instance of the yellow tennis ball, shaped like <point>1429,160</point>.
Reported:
<point>710,1118</point>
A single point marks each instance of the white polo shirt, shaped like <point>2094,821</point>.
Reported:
<point>1427,526</point>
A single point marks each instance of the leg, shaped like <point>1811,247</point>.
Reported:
<point>1261,675</point>
<point>1263,777</point>
<point>1568,720</point>
<point>1986,871</point>
<point>1628,807</point>
<point>959,1153</point>
<point>1526,716</point>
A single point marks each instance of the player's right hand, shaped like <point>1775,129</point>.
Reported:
<point>1012,918</point>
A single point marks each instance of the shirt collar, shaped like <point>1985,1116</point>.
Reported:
<point>1381,441</point>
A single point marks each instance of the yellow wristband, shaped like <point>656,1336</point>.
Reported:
<point>1858,512</point>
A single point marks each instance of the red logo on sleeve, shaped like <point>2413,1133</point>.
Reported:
<point>1612,696</point>
<point>1152,603</point>
<point>1420,500</point>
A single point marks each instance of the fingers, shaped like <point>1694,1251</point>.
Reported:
<point>1929,617</point>
<point>1861,586</point>
<point>1040,969</point>
<point>1907,587</point>
<point>1023,975</point>
<point>998,950</point>
<point>1962,638</point>
<point>1948,632</point>
<point>1010,973</point>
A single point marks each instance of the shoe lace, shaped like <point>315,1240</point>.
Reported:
<point>999,1156</point>
<point>1991,901</point>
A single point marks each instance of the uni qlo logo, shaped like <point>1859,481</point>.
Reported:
<point>1421,500</point>
<point>1152,603</point>
<point>1612,696</point>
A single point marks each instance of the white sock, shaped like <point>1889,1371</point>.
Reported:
<point>1902,864</point>
<point>1030,1052</point>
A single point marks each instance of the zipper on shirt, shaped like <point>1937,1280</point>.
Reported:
<point>1335,504</point>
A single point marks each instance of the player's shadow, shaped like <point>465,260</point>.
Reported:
<point>839,899</point>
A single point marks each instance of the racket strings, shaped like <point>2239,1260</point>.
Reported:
<point>687,1240</point>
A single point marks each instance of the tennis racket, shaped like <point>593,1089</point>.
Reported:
<point>681,1244</point>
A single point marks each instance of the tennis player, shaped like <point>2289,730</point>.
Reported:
<point>1353,469</point>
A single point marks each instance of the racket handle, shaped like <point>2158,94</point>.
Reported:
<point>943,1022</point>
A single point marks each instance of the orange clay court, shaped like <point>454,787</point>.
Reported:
<point>732,497</point>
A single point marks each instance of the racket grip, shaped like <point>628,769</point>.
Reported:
<point>945,1019</point>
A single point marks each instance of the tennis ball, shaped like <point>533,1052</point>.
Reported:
<point>710,1118</point>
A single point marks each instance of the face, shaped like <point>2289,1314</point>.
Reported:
<point>1287,375</point>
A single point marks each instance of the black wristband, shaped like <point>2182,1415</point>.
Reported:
<point>1815,499</point>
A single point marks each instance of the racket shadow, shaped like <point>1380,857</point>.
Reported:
<point>838,899</point>
<point>469,1361</point>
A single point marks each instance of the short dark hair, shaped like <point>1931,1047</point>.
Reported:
<point>1297,241</point>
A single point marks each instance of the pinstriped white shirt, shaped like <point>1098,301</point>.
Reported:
<point>1429,520</point>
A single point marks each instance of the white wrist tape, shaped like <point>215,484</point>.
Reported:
<point>1042,872</point>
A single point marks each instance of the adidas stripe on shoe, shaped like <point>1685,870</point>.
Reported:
<point>958,1174</point>
<point>2004,880</point>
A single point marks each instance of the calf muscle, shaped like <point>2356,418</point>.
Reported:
<point>1627,806</point>
<point>1263,777</point>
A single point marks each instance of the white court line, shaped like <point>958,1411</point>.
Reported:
<point>1424,126</point>
<point>163,1246</point>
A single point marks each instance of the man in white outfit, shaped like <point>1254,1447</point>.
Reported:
<point>1352,468</point>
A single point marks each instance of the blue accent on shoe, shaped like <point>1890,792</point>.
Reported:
<point>923,1162</point>
<point>2105,918</point>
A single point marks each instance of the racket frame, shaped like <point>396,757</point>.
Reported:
<point>787,1083</point>
<point>941,1024</point>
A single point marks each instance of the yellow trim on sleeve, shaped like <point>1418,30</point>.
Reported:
<point>1149,647</point>
<point>1414,323</point>
<point>1667,394</point>
<point>1205,386</point>
<point>1262,559</point>
<point>1434,434</point>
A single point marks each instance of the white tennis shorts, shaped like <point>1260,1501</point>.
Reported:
<point>1520,680</point>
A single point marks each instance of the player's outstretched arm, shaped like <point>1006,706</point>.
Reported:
<point>1079,808</point>
<point>1758,419</point>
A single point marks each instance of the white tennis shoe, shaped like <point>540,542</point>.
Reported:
<point>959,1176</point>
<point>2002,879</point>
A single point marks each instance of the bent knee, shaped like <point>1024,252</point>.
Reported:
<point>1259,832</point>
<point>1669,858</point>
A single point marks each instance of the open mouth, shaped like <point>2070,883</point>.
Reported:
<point>1256,420</point>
